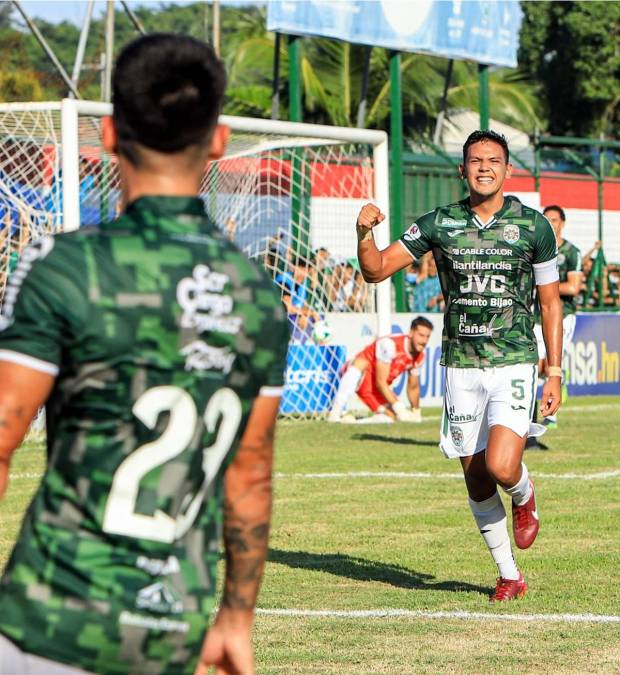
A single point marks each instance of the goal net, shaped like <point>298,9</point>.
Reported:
<point>287,194</point>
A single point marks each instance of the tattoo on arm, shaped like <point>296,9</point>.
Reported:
<point>246,532</point>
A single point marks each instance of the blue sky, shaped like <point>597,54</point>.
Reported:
<point>74,10</point>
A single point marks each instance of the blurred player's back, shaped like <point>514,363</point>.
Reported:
<point>161,336</point>
<point>160,356</point>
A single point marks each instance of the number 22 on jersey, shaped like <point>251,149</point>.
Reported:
<point>120,516</point>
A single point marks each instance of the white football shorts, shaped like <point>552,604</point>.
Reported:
<point>476,399</point>
<point>568,325</point>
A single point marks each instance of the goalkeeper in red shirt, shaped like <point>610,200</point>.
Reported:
<point>372,372</point>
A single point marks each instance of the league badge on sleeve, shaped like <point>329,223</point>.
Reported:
<point>412,233</point>
<point>511,234</point>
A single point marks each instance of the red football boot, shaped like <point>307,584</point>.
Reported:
<point>525,523</point>
<point>509,589</point>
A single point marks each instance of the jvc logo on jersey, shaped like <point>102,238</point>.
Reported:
<point>475,283</point>
<point>36,251</point>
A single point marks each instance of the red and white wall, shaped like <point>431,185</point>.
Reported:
<point>579,199</point>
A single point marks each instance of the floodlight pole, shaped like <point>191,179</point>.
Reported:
<point>396,169</point>
<point>81,48</point>
<point>483,81</point>
<point>275,90</point>
<point>109,51</point>
<point>137,24</point>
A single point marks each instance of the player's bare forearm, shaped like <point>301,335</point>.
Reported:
<point>247,513</point>
<point>23,391</point>
<point>413,391</point>
<point>551,320</point>
<point>382,371</point>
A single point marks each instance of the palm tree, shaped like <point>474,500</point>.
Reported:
<point>331,74</point>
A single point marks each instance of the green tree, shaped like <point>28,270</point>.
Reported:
<point>573,49</point>
<point>20,85</point>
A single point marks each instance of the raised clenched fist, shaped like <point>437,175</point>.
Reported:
<point>369,216</point>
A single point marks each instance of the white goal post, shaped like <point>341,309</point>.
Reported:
<point>286,193</point>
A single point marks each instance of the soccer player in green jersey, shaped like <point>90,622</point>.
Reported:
<point>569,270</point>
<point>491,251</point>
<point>158,350</point>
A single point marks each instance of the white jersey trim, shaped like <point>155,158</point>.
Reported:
<point>546,272</point>
<point>402,243</point>
<point>29,362</point>
<point>271,392</point>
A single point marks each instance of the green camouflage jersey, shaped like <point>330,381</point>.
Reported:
<point>161,334</point>
<point>487,279</point>
<point>569,260</point>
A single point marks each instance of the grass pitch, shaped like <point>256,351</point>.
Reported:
<point>376,565</point>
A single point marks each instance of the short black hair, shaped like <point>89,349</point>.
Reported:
<point>555,207</point>
<point>168,91</point>
<point>421,321</point>
<point>486,135</point>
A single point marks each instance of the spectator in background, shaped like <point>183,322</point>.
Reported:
<point>321,280</point>
<point>612,297</point>
<point>358,300</point>
<point>296,298</point>
<point>343,285</point>
<point>278,255</point>
<point>427,294</point>
<point>589,292</point>
<point>411,278</point>
<point>230,228</point>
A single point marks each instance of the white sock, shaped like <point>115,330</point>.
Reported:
<point>346,388</point>
<point>490,517</point>
<point>522,491</point>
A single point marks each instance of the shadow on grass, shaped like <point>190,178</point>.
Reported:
<point>395,440</point>
<point>369,570</point>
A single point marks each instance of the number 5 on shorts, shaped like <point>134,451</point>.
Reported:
<point>518,389</point>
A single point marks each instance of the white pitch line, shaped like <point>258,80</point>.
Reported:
<point>422,614</point>
<point>603,475</point>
